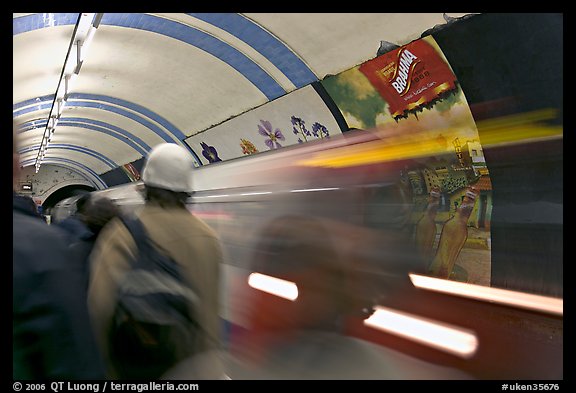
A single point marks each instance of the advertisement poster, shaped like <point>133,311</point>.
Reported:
<point>131,172</point>
<point>412,92</point>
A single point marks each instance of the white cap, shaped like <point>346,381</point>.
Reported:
<point>169,166</point>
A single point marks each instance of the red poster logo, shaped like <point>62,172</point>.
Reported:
<point>410,78</point>
<point>131,171</point>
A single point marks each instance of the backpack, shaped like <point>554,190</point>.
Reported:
<point>154,323</point>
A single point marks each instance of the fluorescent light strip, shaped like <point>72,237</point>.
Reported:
<point>274,286</point>
<point>256,193</point>
<point>503,296</point>
<point>315,189</point>
<point>214,196</point>
<point>83,35</point>
<point>232,195</point>
<point>87,42</point>
<point>449,338</point>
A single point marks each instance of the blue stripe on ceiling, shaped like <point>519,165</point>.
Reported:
<point>141,147</point>
<point>265,43</point>
<point>32,125</point>
<point>94,125</point>
<point>45,102</point>
<point>134,107</point>
<point>40,103</point>
<point>32,101</point>
<point>29,109</point>
<point>96,97</point>
<point>26,23</point>
<point>223,51</point>
<point>148,124</point>
<point>82,168</point>
<point>79,149</point>
<point>98,105</point>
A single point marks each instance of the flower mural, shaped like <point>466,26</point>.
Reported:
<point>247,147</point>
<point>319,131</point>
<point>299,128</point>
<point>274,136</point>
<point>210,153</point>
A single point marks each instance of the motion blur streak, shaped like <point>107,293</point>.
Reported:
<point>213,216</point>
<point>511,298</point>
<point>274,286</point>
<point>256,193</point>
<point>449,338</point>
<point>316,189</point>
<point>522,128</point>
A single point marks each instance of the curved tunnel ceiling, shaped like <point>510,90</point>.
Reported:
<point>149,78</point>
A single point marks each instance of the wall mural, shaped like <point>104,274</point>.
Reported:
<point>299,129</point>
<point>131,171</point>
<point>247,147</point>
<point>298,117</point>
<point>209,153</point>
<point>273,136</point>
<point>412,92</point>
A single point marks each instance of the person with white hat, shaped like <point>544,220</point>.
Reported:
<point>167,178</point>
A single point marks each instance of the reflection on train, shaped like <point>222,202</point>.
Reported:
<point>366,256</point>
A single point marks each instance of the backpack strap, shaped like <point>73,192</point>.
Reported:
<point>150,257</point>
<point>142,240</point>
<point>136,229</point>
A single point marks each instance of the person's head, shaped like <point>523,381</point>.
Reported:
<point>96,213</point>
<point>29,203</point>
<point>167,175</point>
<point>82,202</point>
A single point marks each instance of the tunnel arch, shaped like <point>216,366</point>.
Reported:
<point>65,192</point>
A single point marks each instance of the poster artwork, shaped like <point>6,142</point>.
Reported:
<point>131,172</point>
<point>410,78</point>
<point>449,184</point>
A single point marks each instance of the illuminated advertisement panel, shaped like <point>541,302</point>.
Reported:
<point>131,172</point>
<point>412,98</point>
<point>411,78</point>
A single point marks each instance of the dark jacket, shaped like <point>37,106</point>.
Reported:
<point>75,228</point>
<point>52,335</point>
<point>27,204</point>
<point>80,240</point>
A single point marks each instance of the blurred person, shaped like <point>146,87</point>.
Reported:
<point>306,337</point>
<point>167,179</point>
<point>94,214</point>
<point>25,203</point>
<point>51,332</point>
<point>299,249</point>
<point>73,224</point>
<point>98,212</point>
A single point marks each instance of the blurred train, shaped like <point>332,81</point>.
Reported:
<point>321,236</point>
